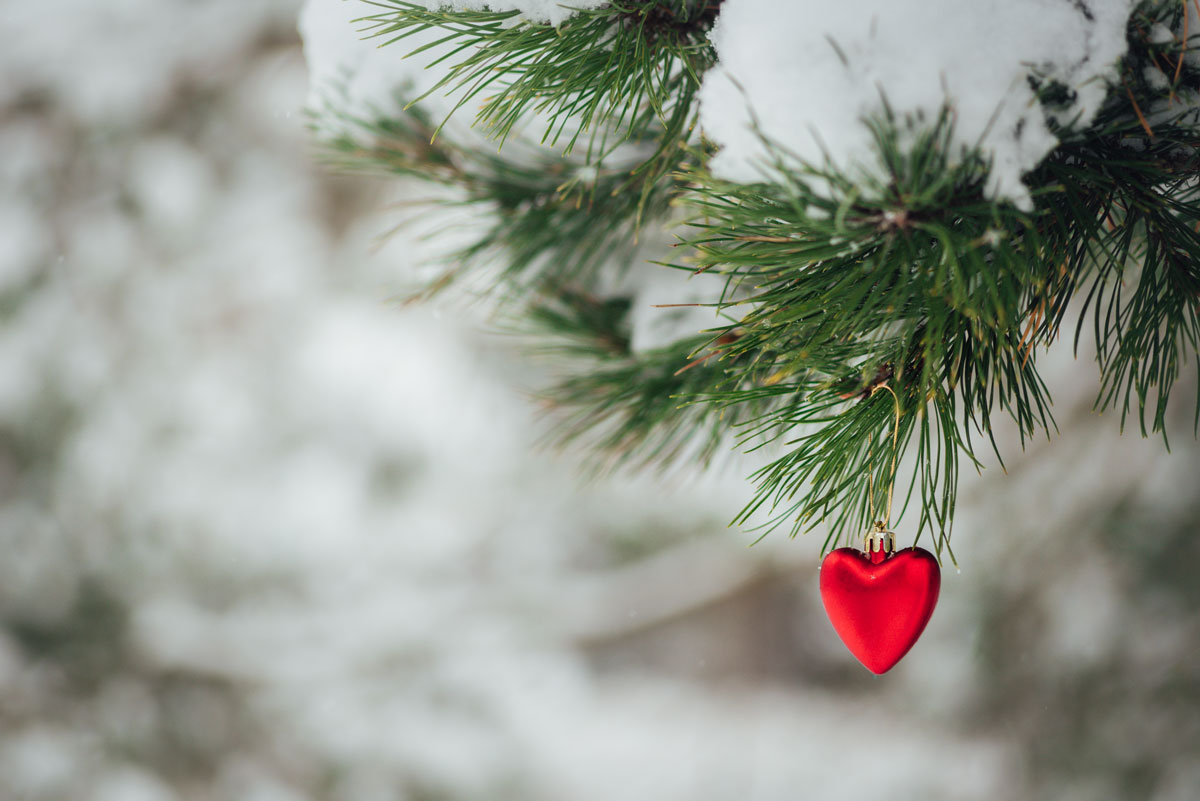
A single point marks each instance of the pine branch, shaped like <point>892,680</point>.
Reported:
<point>626,72</point>
<point>554,221</point>
<point>630,409</point>
<point>906,271</point>
<point>903,275</point>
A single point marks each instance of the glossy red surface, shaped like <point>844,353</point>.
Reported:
<point>879,606</point>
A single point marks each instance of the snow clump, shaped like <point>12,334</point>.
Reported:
<point>807,73</point>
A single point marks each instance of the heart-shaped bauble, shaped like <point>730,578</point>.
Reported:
<point>879,604</point>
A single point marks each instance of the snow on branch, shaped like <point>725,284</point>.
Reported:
<point>804,74</point>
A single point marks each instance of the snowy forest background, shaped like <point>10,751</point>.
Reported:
<point>266,535</point>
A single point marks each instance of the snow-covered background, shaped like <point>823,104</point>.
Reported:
<point>265,535</point>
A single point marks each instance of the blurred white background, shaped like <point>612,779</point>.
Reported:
<point>266,535</point>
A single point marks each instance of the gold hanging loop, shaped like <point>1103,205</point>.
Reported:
<point>880,537</point>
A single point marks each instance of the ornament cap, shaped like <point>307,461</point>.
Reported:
<point>879,540</point>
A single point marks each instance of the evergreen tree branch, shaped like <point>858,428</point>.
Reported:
<point>902,274</point>
<point>626,72</point>
<point>552,220</point>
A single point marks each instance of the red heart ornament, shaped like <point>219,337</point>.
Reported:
<point>879,604</point>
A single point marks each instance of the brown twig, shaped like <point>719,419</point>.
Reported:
<point>1138,111</point>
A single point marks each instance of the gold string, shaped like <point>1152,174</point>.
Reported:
<point>887,517</point>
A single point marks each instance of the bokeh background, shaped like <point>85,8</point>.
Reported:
<point>266,534</point>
